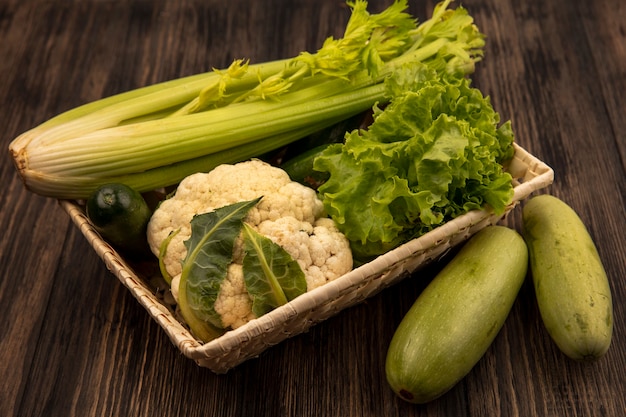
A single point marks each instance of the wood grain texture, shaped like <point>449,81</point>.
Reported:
<point>74,342</point>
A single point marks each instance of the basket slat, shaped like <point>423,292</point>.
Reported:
<point>248,341</point>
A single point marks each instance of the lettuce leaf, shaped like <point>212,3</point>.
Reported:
<point>432,154</point>
<point>209,252</point>
<point>271,275</point>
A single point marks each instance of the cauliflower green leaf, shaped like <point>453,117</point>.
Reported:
<point>162,252</point>
<point>272,276</point>
<point>209,252</point>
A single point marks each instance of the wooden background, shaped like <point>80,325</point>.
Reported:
<point>74,342</point>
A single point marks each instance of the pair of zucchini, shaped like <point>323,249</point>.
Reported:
<point>456,318</point>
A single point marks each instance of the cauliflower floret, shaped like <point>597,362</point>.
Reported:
<point>233,303</point>
<point>289,213</point>
<point>228,184</point>
<point>319,248</point>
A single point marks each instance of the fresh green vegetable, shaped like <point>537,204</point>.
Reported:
<point>120,214</point>
<point>289,214</point>
<point>162,254</point>
<point>571,285</point>
<point>432,154</point>
<point>272,276</point>
<point>209,252</point>
<point>300,168</point>
<point>456,318</point>
<point>155,136</point>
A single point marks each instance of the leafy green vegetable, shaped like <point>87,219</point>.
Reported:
<point>271,275</point>
<point>209,252</point>
<point>162,252</point>
<point>155,136</point>
<point>433,153</point>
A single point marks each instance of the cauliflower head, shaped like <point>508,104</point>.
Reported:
<point>289,213</point>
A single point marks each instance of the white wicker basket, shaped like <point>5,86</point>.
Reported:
<point>248,341</point>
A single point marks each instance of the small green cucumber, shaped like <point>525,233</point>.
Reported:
<point>571,285</point>
<point>456,318</point>
<point>300,168</point>
<point>120,214</point>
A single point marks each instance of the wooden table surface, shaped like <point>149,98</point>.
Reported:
<point>74,341</point>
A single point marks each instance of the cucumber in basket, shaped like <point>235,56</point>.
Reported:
<point>120,214</point>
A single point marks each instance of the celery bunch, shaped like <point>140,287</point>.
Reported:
<point>155,136</point>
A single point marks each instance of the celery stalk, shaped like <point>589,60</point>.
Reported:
<point>142,102</point>
<point>168,141</point>
<point>76,187</point>
<point>154,136</point>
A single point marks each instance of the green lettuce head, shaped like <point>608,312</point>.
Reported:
<point>434,153</point>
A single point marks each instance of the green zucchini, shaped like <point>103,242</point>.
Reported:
<point>300,167</point>
<point>456,318</point>
<point>571,285</point>
<point>121,215</point>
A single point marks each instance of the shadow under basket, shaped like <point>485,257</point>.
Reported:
<point>297,316</point>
